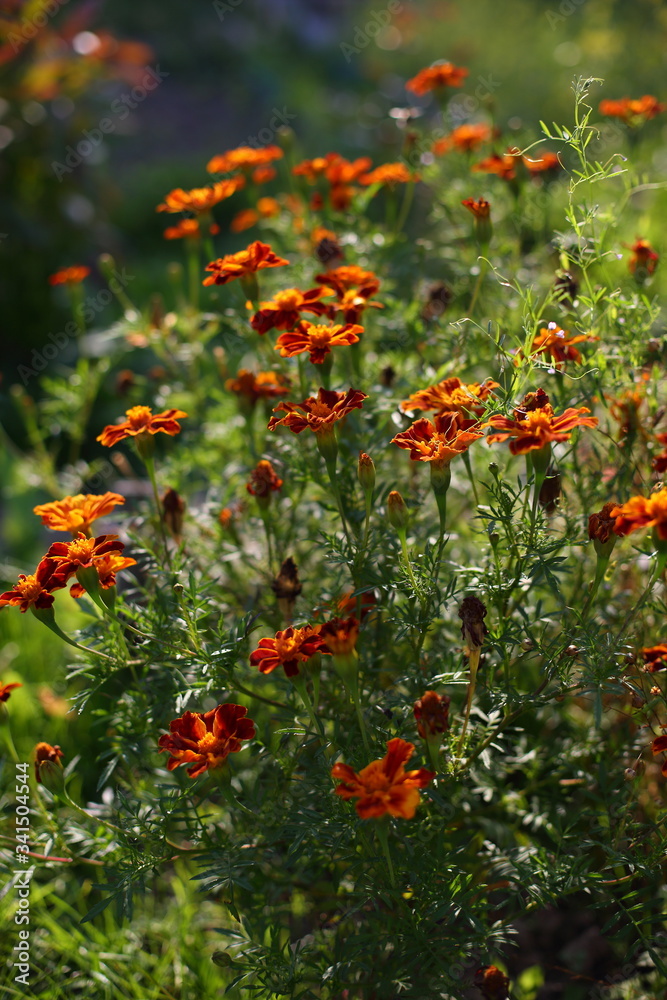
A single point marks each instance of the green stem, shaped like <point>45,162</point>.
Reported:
<point>381,832</point>
<point>466,462</point>
<point>474,663</point>
<point>405,207</point>
<point>150,469</point>
<point>478,285</point>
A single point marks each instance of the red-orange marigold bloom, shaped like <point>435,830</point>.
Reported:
<point>353,287</point>
<point>206,739</point>
<point>77,513</point>
<point>263,479</point>
<point>480,209</point>
<point>262,175</point>
<point>448,436</point>
<point>107,566</point>
<point>659,462</point>
<point>83,553</point>
<point>199,200</point>
<point>492,983</point>
<point>443,74</point>
<point>243,158</point>
<point>260,385</point>
<point>36,589</point>
<point>6,690</point>
<point>452,395</point>
<point>601,523</point>
<point>503,166</point>
<point>559,345</point>
<point>319,412</point>
<point>317,167</point>
<point>141,420</point>
<point>46,757</point>
<point>431,712</point>
<point>254,258</point>
<point>384,787</point>
<point>644,512</point>
<point>659,745</point>
<point>245,219</point>
<point>288,649</point>
<point>655,658</point>
<point>465,138</point>
<point>389,174</point>
<point>347,604</point>
<point>70,275</point>
<point>188,229</point>
<point>532,429</point>
<point>541,164</point>
<point>340,635</point>
<point>285,308</point>
<point>644,257</point>
<point>268,207</point>
<point>317,339</point>
<point>634,111</point>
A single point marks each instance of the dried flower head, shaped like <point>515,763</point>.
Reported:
<point>472,614</point>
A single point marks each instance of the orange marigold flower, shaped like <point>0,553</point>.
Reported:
<point>659,463</point>
<point>141,420</point>
<point>318,413</point>
<point>287,649</point>
<point>644,512</point>
<point>452,395</point>
<point>261,385</point>
<point>262,175</point>
<point>83,553</point>
<point>384,787</point>
<point>547,161</point>
<point>655,658</point>
<point>35,590</point>
<point>254,258</point>
<point>431,712</point>
<point>76,514</point>
<point>316,339</point>
<point>201,199</point>
<point>659,745</point>
<point>347,604</point>
<point>492,983</point>
<point>465,138</point>
<point>480,209</point>
<point>601,524</point>
<point>535,426</point>
<point>268,207</point>
<point>206,739</point>
<point>317,167</point>
<point>503,166</point>
<point>644,259</point>
<point>188,229</point>
<point>443,74</point>
<point>46,757</point>
<point>107,566</point>
<point>243,158</point>
<point>245,219</point>
<point>340,635</point>
<point>6,690</point>
<point>633,111</point>
<point>263,480</point>
<point>353,287</point>
<point>438,442</point>
<point>285,308</point>
<point>627,410</point>
<point>389,174</point>
<point>559,345</point>
<point>70,275</point>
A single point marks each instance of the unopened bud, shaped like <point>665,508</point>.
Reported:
<point>397,511</point>
<point>48,769</point>
<point>629,774</point>
<point>572,651</point>
<point>366,472</point>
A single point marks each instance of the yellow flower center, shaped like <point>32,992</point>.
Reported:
<point>286,648</point>
<point>319,336</point>
<point>319,409</point>
<point>290,298</point>
<point>374,778</point>
<point>139,416</point>
<point>29,589</point>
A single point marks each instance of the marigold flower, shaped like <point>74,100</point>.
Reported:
<point>655,658</point>
<point>492,983</point>
<point>245,219</point>
<point>285,308</point>
<point>200,200</point>
<point>431,712</point>
<point>36,589</point>
<point>70,275</point>
<point>318,413</point>
<point>340,635</point>
<point>318,340</point>
<point>384,787</point>
<point>141,421</point>
<point>338,172</point>
<point>443,74</point>
<point>547,161</point>
<point>206,739</point>
<point>268,207</point>
<point>258,385</point>
<point>83,553</point>
<point>188,229</point>
<point>353,287</point>
<point>644,259</point>
<point>397,511</point>
<point>388,174</point>
<point>107,566</point>
<point>452,395</point>
<point>465,138</point>
<point>76,514</point>
<point>243,158</point>
<point>536,426</point>
<point>559,345</point>
<point>439,442</point>
<point>6,690</point>
<point>503,166</point>
<point>263,480</point>
<point>480,209</point>
<point>659,462</point>
<point>347,604</point>
<point>633,111</point>
<point>46,757</point>
<point>644,512</point>
<point>288,649</point>
<point>601,524</point>
<point>659,745</point>
<point>246,262</point>
<point>262,175</point>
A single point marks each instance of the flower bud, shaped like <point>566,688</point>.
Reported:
<point>431,712</point>
<point>601,529</point>
<point>48,769</point>
<point>492,983</point>
<point>263,482</point>
<point>173,509</point>
<point>366,472</point>
<point>397,511</point>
